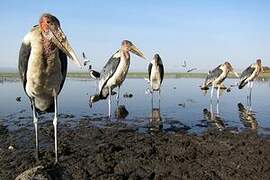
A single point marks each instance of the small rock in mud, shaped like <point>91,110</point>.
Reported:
<point>11,147</point>
<point>128,95</point>
<point>121,112</point>
<point>18,99</point>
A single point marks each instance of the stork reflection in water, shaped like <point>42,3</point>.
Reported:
<point>247,117</point>
<point>213,118</point>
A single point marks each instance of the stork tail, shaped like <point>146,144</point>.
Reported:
<point>242,84</point>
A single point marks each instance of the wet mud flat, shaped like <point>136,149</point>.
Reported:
<point>119,152</point>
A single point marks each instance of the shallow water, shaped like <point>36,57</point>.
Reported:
<point>183,106</point>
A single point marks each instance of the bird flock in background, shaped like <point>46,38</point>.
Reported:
<point>43,67</point>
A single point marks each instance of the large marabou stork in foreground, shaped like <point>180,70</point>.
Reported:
<point>43,68</point>
<point>114,72</point>
<point>249,75</point>
<point>155,75</point>
<point>217,76</point>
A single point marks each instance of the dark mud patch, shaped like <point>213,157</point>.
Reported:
<point>87,152</point>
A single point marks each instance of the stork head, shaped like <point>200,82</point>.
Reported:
<point>128,46</point>
<point>157,59</point>
<point>51,30</point>
<point>229,68</point>
<point>259,64</point>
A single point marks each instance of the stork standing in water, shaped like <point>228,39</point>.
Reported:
<point>114,72</point>
<point>155,75</point>
<point>249,75</point>
<point>216,77</point>
<point>43,67</point>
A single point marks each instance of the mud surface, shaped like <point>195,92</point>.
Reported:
<point>117,152</point>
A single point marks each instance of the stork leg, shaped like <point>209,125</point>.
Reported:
<point>211,110</point>
<point>35,121</point>
<point>217,108</point>
<point>55,127</point>
<point>117,97</point>
<point>152,99</point>
<point>212,92</point>
<point>218,94</point>
<point>159,98</point>
<point>251,86</point>
<point>109,102</point>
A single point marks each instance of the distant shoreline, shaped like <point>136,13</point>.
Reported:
<point>134,75</point>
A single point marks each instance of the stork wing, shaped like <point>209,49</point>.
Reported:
<point>212,75</point>
<point>161,70</point>
<point>149,70</point>
<point>108,71</point>
<point>63,60</point>
<point>247,72</point>
<point>24,54</point>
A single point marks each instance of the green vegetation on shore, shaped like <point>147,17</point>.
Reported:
<point>134,75</point>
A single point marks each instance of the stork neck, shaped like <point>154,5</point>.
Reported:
<point>48,47</point>
<point>125,54</point>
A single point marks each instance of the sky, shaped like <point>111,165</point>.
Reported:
<point>205,33</point>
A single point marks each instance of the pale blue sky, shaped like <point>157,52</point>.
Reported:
<point>205,32</point>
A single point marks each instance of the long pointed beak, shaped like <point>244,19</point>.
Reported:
<point>235,73</point>
<point>59,38</point>
<point>136,51</point>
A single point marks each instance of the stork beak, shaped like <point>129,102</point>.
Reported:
<point>235,73</point>
<point>60,40</point>
<point>136,51</point>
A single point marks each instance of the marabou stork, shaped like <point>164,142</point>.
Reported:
<point>155,75</point>
<point>217,76</point>
<point>114,72</point>
<point>249,75</point>
<point>43,68</point>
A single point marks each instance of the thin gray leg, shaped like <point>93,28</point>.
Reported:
<point>217,108</point>
<point>218,93</point>
<point>152,99</point>
<point>55,128</point>
<point>212,92</point>
<point>109,102</point>
<point>211,110</point>
<point>35,121</point>
<point>117,97</point>
<point>159,99</point>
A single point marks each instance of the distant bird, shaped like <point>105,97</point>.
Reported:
<point>155,74</point>
<point>114,72</point>
<point>184,65</point>
<point>94,74</point>
<point>192,69</point>
<point>85,60</point>
<point>249,75</point>
<point>217,76</point>
<point>43,68</point>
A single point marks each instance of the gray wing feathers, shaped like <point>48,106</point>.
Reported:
<point>24,54</point>
<point>247,72</point>
<point>149,70</point>
<point>108,71</point>
<point>212,75</point>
